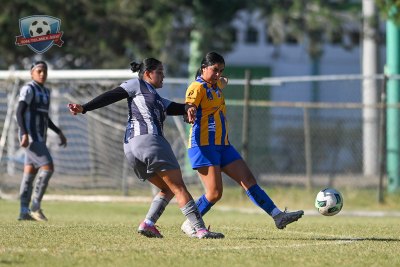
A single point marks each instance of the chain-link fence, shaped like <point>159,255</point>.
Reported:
<point>299,132</point>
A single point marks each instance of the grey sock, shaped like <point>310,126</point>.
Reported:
<point>157,208</point>
<point>40,188</point>
<point>25,191</point>
<point>192,213</point>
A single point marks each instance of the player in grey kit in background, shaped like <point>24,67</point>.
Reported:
<point>33,120</point>
<point>145,147</point>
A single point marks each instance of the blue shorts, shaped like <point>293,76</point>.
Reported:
<point>201,156</point>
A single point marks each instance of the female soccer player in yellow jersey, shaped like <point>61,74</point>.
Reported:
<point>209,149</point>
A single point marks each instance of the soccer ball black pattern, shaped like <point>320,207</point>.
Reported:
<point>39,27</point>
<point>329,202</point>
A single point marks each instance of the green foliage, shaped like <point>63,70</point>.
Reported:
<point>100,34</point>
<point>389,9</point>
<point>108,33</point>
<point>212,19</point>
<point>211,29</point>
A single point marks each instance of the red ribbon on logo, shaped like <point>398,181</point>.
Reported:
<point>56,37</point>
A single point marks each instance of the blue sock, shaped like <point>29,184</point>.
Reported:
<point>261,199</point>
<point>204,205</point>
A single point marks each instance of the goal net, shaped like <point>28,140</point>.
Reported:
<point>94,157</point>
<point>306,131</point>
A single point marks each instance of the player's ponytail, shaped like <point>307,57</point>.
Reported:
<point>198,73</point>
<point>148,64</point>
<point>135,67</point>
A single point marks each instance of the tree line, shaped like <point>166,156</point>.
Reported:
<point>110,33</point>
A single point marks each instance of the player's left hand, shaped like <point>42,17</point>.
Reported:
<point>63,139</point>
<point>223,82</point>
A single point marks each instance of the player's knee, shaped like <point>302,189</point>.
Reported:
<point>247,182</point>
<point>49,168</point>
<point>214,196</point>
<point>179,190</point>
<point>168,194</point>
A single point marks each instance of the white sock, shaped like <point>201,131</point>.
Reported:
<point>148,222</point>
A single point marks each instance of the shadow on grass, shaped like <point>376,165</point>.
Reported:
<point>9,263</point>
<point>355,239</point>
<point>379,239</point>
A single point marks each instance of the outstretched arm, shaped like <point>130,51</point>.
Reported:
<point>188,111</point>
<point>174,109</point>
<point>100,101</point>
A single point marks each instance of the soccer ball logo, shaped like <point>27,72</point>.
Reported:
<point>39,27</point>
<point>329,202</point>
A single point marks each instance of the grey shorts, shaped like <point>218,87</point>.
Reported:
<point>148,154</point>
<point>37,154</point>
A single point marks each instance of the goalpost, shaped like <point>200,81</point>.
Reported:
<point>288,138</point>
<point>94,156</point>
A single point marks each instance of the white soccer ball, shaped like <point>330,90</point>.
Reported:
<point>329,202</point>
<point>39,27</point>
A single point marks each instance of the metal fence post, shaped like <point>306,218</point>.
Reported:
<point>307,147</point>
<point>382,141</point>
<point>246,106</point>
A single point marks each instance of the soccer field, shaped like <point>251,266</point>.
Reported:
<point>104,234</point>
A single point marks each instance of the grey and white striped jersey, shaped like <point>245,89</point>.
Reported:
<point>37,115</point>
<point>147,109</point>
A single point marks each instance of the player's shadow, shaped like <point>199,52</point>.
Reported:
<point>336,239</point>
<point>381,239</point>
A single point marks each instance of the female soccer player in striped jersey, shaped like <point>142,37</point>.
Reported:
<point>145,147</point>
<point>33,120</point>
<point>210,151</point>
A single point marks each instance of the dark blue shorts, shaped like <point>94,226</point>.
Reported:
<point>201,156</point>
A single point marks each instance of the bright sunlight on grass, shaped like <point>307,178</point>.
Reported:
<point>104,234</point>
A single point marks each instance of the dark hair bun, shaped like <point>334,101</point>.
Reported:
<point>135,67</point>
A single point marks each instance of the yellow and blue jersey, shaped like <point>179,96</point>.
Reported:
<point>210,126</point>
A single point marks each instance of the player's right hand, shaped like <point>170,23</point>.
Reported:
<point>191,114</point>
<point>75,108</point>
<point>24,141</point>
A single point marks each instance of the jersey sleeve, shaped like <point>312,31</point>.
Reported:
<point>194,94</point>
<point>26,94</point>
<point>132,87</point>
<point>166,102</point>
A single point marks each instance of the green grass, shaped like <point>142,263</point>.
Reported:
<point>104,234</point>
<point>292,197</point>
<point>298,198</point>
